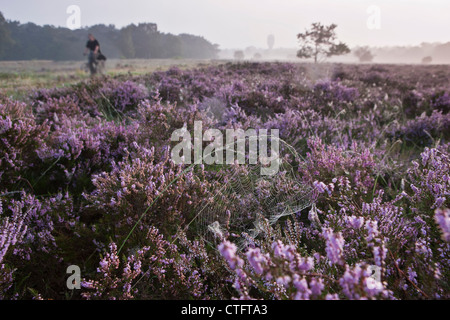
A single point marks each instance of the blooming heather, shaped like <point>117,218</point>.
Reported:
<point>443,220</point>
<point>86,179</point>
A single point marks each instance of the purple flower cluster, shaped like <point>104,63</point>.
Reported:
<point>12,231</point>
<point>443,220</point>
<point>430,179</point>
<point>123,95</point>
<point>86,179</point>
<point>424,130</point>
<point>157,270</point>
<point>441,102</point>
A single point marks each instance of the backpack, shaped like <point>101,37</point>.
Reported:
<point>101,56</point>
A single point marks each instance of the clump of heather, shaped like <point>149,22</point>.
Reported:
<point>20,137</point>
<point>338,251</point>
<point>123,95</point>
<point>54,108</point>
<point>70,153</point>
<point>424,130</point>
<point>12,232</point>
<point>37,245</point>
<point>170,89</point>
<point>331,96</point>
<point>441,102</point>
<point>430,180</point>
<point>343,174</point>
<point>443,220</point>
<point>157,121</point>
<point>413,103</point>
<point>283,270</point>
<point>147,184</point>
<point>87,179</point>
<point>158,269</point>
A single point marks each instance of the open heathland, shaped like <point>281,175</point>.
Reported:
<point>87,179</point>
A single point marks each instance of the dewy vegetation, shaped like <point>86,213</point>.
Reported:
<point>86,179</point>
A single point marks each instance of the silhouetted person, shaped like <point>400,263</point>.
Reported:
<point>93,48</point>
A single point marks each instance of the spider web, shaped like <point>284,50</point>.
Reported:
<point>245,196</point>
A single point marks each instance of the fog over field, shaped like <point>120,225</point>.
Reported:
<point>239,24</point>
<point>209,151</point>
<point>399,31</point>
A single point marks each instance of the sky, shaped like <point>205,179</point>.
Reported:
<point>244,23</point>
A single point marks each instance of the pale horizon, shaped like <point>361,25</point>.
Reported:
<point>240,24</point>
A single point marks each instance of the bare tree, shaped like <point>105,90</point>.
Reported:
<point>320,42</point>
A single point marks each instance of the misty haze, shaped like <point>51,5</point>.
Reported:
<point>215,151</point>
<point>397,31</point>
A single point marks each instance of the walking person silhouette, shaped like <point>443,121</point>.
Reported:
<point>93,49</point>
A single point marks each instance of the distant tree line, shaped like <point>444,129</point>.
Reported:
<point>29,41</point>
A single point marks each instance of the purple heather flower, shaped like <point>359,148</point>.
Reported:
<point>355,222</point>
<point>442,217</point>
<point>320,186</point>
<point>334,245</point>
<point>256,259</point>
<point>228,251</point>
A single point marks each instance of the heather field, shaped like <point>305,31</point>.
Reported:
<point>87,180</point>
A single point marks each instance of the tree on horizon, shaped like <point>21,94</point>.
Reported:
<point>320,42</point>
<point>364,54</point>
